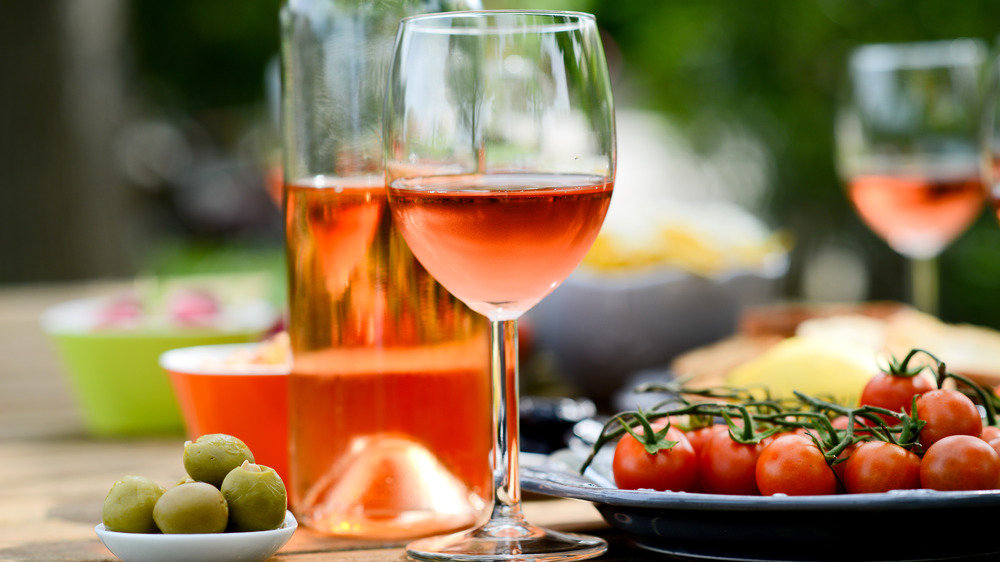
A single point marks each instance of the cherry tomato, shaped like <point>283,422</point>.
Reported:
<point>995,443</point>
<point>792,464</point>
<point>878,466</point>
<point>673,469</point>
<point>947,412</point>
<point>860,425</point>
<point>701,436</point>
<point>841,464</point>
<point>840,422</point>
<point>990,432</point>
<point>960,462</point>
<point>728,467</point>
<point>894,392</point>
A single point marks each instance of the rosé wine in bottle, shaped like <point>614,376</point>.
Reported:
<point>377,344</point>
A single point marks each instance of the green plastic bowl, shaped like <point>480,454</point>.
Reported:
<point>115,373</point>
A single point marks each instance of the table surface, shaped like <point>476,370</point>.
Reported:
<point>53,476</point>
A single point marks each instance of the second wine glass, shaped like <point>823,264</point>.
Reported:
<point>500,160</point>
<point>907,143</point>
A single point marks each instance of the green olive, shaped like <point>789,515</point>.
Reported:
<point>197,507</point>
<point>256,497</point>
<point>128,507</point>
<point>211,457</point>
<point>185,480</point>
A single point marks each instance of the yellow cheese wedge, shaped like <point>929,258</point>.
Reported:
<point>833,370</point>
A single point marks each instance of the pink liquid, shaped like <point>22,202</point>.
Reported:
<point>917,215</point>
<point>993,189</point>
<point>500,241</point>
<point>388,396</point>
<point>394,445</point>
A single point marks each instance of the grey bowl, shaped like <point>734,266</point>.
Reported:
<point>601,328</point>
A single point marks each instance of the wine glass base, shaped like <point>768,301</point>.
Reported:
<point>511,541</point>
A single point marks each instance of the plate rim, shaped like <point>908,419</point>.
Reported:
<point>714,526</point>
<point>557,480</point>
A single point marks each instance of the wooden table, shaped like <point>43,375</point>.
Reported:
<point>53,477</point>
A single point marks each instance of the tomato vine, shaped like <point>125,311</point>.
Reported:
<point>753,418</point>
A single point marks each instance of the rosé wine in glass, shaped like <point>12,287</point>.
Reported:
<point>907,140</point>
<point>917,215</point>
<point>462,228</point>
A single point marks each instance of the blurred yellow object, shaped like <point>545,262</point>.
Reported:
<point>830,370</point>
<point>703,249</point>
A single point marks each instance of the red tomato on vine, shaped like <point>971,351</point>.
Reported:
<point>701,436</point>
<point>879,466</point>
<point>662,461</point>
<point>960,462</point>
<point>947,412</point>
<point>894,390</point>
<point>793,464</point>
<point>729,467</point>
<point>841,464</point>
<point>990,432</point>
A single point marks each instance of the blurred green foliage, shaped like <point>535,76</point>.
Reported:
<point>776,67</point>
<point>199,55</point>
<point>772,67</point>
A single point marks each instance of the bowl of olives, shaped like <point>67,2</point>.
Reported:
<point>226,507</point>
<point>215,547</point>
<point>109,348</point>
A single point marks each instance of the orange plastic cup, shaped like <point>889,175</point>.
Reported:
<point>248,401</point>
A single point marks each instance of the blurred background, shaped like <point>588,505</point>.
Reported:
<point>138,136</point>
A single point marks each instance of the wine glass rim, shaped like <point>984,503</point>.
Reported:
<point>882,57</point>
<point>572,20</point>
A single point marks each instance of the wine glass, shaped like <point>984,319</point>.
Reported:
<point>500,160</point>
<point>908,149</point>
<point>990,137</point>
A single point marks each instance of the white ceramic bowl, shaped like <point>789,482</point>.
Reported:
<point>255,546</point>
<point>603,328</point>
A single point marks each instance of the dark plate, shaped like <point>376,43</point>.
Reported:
<point>905,525</point>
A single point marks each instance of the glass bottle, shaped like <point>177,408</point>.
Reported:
<point>380,349</point>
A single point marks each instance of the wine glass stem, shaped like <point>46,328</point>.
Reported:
<point>506,433</point>
<point>924,284</point>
